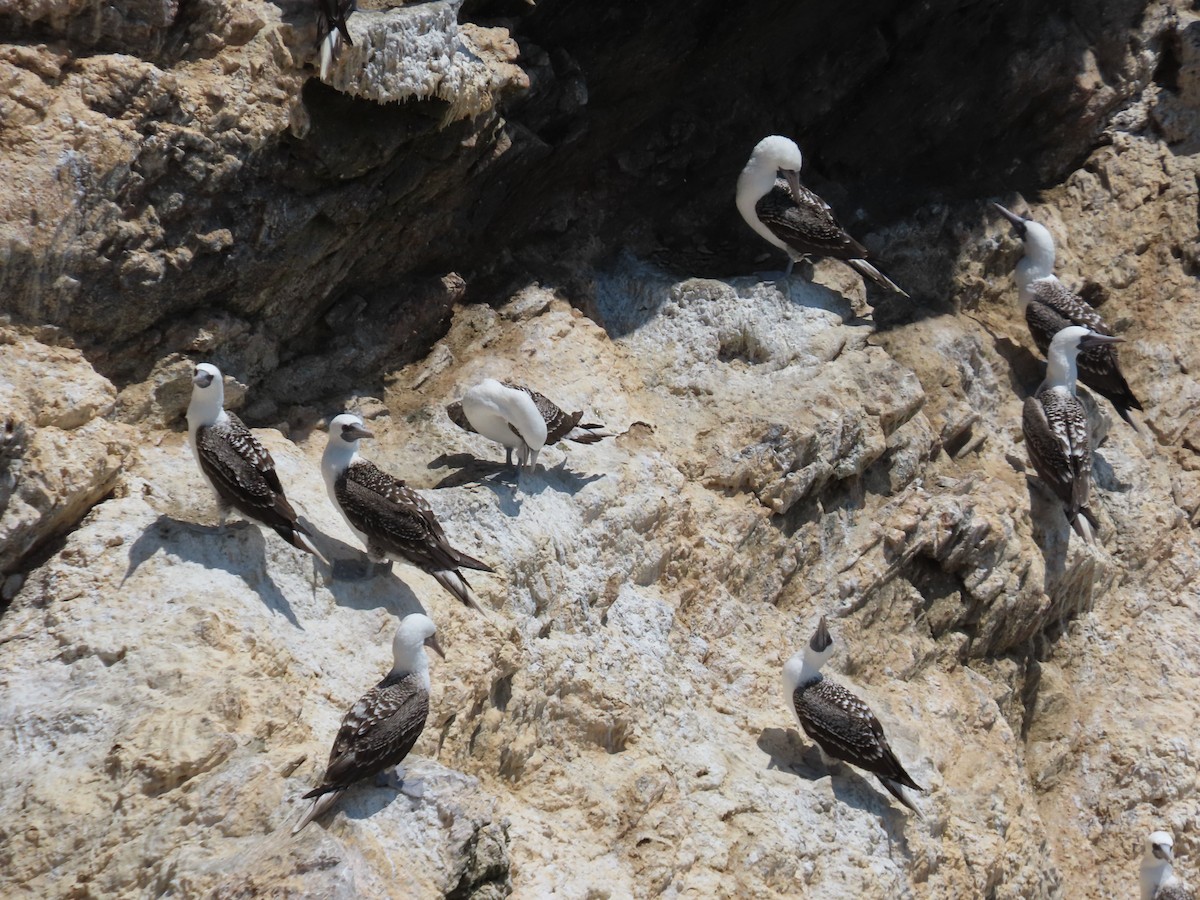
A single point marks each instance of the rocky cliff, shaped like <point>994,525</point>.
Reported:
<point>545,193</point>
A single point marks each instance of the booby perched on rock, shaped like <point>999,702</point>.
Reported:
<point>507,415</point>
<point>391,519</point>
<point>1159,881</point>
<point>384,724</point>
<point>793,218</point>
<point>238,467</point>
<point>332,30</point>
<point>559,425</point>
<point>841,724</point>
<point>1050,307</point>
<point>1056,428</point>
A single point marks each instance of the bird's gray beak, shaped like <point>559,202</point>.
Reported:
<point>1162,851</point>
<point>793,180</point>
<point>1018,224</point>
<point>202,379</point>
<point>821,639</point>
<point>1098,340</point>
<point>356,433</point>
<point>432,643</point>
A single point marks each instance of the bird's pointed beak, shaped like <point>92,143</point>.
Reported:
<point>1098,340</point>
<point>793,180</point>
<point>821,639</point>
<point>432,643</point>
<point>201,378</point>
<point>358,432</point>
<point>1162,851</point>
<point>1018,223</point>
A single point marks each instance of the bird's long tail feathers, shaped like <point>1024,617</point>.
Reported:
<point>329,52</point>
<point>297,536</point>
<point>588,433</point>
<point>319,807</point>
<point>1085,524</point>
<point>456,584</point>
<point>869,271</point>
<point>897,791</point>
<point>1126,413</point>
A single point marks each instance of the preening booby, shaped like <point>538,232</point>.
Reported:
<point>560,426</point>
<point>1159,881</point>
<point>1050,307</point>
<point>841,724</point>
<point>391,519</point>
<point>383,725</point>
<point>1056,428</point>
<point>507,415</point>
<point>332,30</point>
<point>238,467</point>
<point>793,218</point>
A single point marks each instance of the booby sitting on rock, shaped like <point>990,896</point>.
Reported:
<point>237,467</point>
<point>841,724</point>
<point>332,30</point>
<point>384,724</point>
<point>790,216</point>
<point>507,415</point>
<point>1158,878</point>
<point>391,519</point>
<point>1050,307</point>
<point>560,426</point>
<point>1056,428</point>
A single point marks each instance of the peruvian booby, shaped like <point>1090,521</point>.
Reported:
<point>790,216</point>
<point>332,30</point>
<point>841,724</point>
<point>236,465</point>
<point>1158,880</point>
<point>383,725</point>
<point>391,519</point>
<point>505,414</point>
<point>560,426</point>
<point>1050,307</point>
<point>1056,428</point>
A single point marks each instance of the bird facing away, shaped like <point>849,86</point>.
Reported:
<point>381,728</point>
<point>559,425</point>
<point>507,415</point>
<point>391,519</point>
<point>1158,878</point>
<point>841,724</point>
<point>1056,428</point>
<point>1050,307</point>
<point>790,216</point>
<point>332,30</point>
<point>237,467</point>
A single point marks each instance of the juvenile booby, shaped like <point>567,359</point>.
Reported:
<point>507,415</point>
<point>1056,428</point>
<point>1050,307</point>
<point>391,519</point>
<point>790,216</point>
<point>237,467</point>
<point>332,30</point>
<point>1158,879</point>
<point>560,426</point>
<point>383,725</point>
<point>841,724</point>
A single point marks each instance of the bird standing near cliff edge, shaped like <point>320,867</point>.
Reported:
<point>1158,878</point>
<point>790,216</point>
<point>332,30</point>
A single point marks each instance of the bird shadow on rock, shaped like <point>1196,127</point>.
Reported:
<point>1104,476</point>
<point>164,533</point>
<point>1025,370</point>
<point>788,753</point>
<point>1051,531</point>
<point>359,583</point>
<point>558,478</point>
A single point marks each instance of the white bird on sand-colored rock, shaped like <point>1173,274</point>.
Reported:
<point>1158,878</point>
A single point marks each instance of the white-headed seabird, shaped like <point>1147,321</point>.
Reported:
<point>1050,307</point>
<point>793,218</point>
<point>507,415</point>
<point>1159,881</point>
<point>383,725</point>
<point>332,30</point>
<point>391,519</point>
<point>841,724</point>
<point>560,426</point>
<point>236,465</point>
<point>1056,428</point>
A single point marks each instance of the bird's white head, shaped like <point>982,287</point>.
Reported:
<point>1038,261</point>
<point>1156,869</point>
<point>1062,357</point>
<point>1160,846</point>
<point>345,431</point>
<point>771,155</point>
<point>805,665</point>
<point>416,632</point>
<point>208,396</point>
<point>779,153</point>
